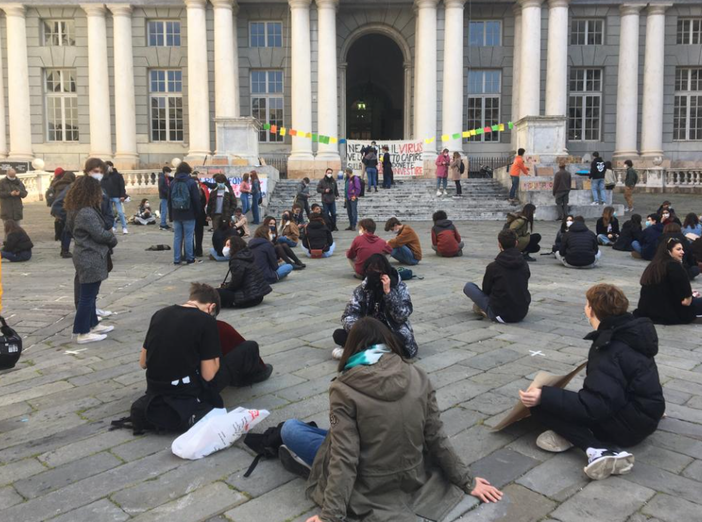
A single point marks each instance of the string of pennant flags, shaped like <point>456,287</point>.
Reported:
<point>321,138</point>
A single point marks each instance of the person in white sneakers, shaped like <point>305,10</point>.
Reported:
<point>442,163</point>
<point>92,245</point>
<point>621,402</point>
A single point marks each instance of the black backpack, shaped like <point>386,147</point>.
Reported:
<point>266,444</point>
<point>10,346</point>
<point>462,168</point>
<point>363,188</point>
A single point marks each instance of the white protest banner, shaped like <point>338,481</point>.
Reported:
<point>405,156</point>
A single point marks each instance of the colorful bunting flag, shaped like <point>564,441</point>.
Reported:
<point>333,140</point>
<point>479,131</point>
<point>342,141</point>
<point>502,127</point>
<point>445,137</point>
<point>324,139</point>
<point>495,128</point>
<point>266,126</point>
<point>282,131</point>
<point>487,130</point>
<point>274,129</point>
<point>429,140</point>
<point>466,134</point>
<point>456,136</point>
<point>511,125</point>
<point>293,132</point>
<point>315,137</point>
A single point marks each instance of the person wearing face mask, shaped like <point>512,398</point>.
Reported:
<point>607,227</point>
<point>221,202</point>
<point>329,190</point>
<point>266,256</point>
<point>667,214</point>
<point>645,248</point>
<point>283,251</point>
<point>317,238</point>
<point>12,191</point>
<point>666,296</point>
<point>579,247</point>
<point>631,231</point>
<point>621,402</point>
<point>365,245</point>
<point>289,231</point>
<point>219,239</point>
<point>385,297</point>
<point>442,163</point>
<point>256,197</point>
<point>241,223</point>
<point>406,247</point>
<point>144,215</point>
<point>561,189</point>
<point>352,191</point>
<point>96,168</point>
<point>244,285</point>
<point>565,226</point>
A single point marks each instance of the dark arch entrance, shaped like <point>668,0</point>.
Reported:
<point>375,89</point>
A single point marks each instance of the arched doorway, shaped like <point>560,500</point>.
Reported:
<point>375,88</point>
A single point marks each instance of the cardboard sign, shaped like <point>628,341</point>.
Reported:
<point>405,156</point>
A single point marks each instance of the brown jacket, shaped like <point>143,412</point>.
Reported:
<point>291,231</point>
<point>409,237</point>
<point>455,169</point>
<point>371,466</point>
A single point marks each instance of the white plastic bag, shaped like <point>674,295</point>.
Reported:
<point>216,431</point>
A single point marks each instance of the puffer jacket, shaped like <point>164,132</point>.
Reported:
<point>386,457</point>
<point>579,246</point>
<point>113,185</point>
<point>622,393</point>
<point>93,244</point>
<point>11,206</point>
<point>317,235</point>
<point>520,225</point>
<point>393,310</point>
<point>628,234</point>
<point>266,259</point>
<point>328,183</point>
<point>247,281</point>
<point>445,237</point>
<point>18,242</point>
<point>662,302</point>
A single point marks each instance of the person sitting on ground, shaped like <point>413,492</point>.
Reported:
<point>579,247</point>
<point>297,216</point>
<point>282,249</point>
<point>221,202</point>
<point>17,246</point>
<point>317,238</point>
<point>365,245</point>
<point>673,230</point>
<point>289,231</point>
<point>692,228</point>
<point>382,295</point>
<point>316,209</point>
<point>266,257</point>
<point>621,402</point>
<point>386,455</point>
<point>631,231</point>
<point>219,239</point>
<point>445,239</point>
<point>505,296</point>
<point>241,223</point>
<point>183,360</point>
<point>144,215</point>
<point>246,286</point>
<point>523,225</point>
<point>565,226</point>
<point>607,227</point>
<point>645,248</point>
<point>406,247</point>
<point>666,214</point>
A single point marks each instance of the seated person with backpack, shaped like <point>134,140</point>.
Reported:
<point>505,296</point>
<point>405,247</point>
<point>645,248</point>
<point>246,286</point>
<point>365,245</point>
<point>631,231</point>
<point>316,238</point>
<point>579,248</point>
<point>445,239</point>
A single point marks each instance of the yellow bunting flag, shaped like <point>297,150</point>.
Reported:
<point>466,134</point>
<point>445,137</point>
<point>429,140</point>
<point>333,140</point>
<point>282,131</point>
<point>502,127</point>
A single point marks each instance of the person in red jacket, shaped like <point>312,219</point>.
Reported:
<point>445,239</point>
<point>365,245</point>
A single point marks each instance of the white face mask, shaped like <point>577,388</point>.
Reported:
<point>360,232</point>
<point>225,251</point>
<point>329,175</point>
<point>568,223</point>
<point>97,177</point>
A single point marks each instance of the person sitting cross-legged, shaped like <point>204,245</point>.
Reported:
<point>645,247</point>
<point>365,245</point>
<point>621,402</point>
<point>245,285</point>
<point>445,239</point>
<point>579,248</point>
<point>405,247</point>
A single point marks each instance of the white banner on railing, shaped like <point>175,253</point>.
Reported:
<point>405,156</point>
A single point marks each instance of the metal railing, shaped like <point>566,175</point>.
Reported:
<point>476,165</point>
<point>279,161</point>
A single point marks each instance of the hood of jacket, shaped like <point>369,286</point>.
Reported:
<point>182,176</point>
<point>511,259</point>
<point>638,333</point>
<point>578,226</point>
<point>370,238</point>
<point>394,279</point>
<point>443,224</point>
<point>245,254</point>
<point>316,223</point>
<point>387,380</point>
<point>257,242</point>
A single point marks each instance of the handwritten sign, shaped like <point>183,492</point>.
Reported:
<point>405,156</point>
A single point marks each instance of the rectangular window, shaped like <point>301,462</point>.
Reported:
<point>484,89</point>
<point>61,105</point>
<point>266,34</point>
<point>59,33</point>
<point>267,102</point>
<point>484,33</point>
<point>163,33</point>
<point>689,31</point>
<point>586,32</point>
<point>687,107</point>
<point>166,104</point>
<point>585,105</point>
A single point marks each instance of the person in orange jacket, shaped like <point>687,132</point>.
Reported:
<point>517,169</point>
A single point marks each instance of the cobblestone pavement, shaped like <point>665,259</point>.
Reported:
<point>58,460</point>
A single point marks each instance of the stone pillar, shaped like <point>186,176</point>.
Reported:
<point>654,58</point>
<point>557,58</point>
<point>327,101</point>
<point>452,102</point>
<point>98,83</point>
<point>198,79</point>
<point>628,83</point>
<point>225,52</point>
<point>301,78</point>
<point>18,87</point>
<point>530,84</point>
<point>126,156</point>
<point>407,108</point>
<point>3,119</point>
<point>516,69</point>
<point>425,92</point>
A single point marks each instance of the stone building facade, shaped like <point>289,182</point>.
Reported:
<point>143,82</point>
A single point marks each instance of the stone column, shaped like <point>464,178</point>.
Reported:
<point>452,102</point>
<point>628,83</point>
<point>225,58</point>
<point>301,78</point>
<point>198,80</point>
<point>530,84</point>
<point>425,92</point>
<point>516,69</point>
<point>407,108</point>
<point>98,83</point>
<point>18,86</point>
<point>126,156</point>
<point>327,101</point>
<point>3,119</point>
<point>654,58</point>
<point>557,58</point>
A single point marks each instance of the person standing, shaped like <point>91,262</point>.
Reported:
<point>561,189</point>
<point>387,168</point>
<point>221,203</point>
<point>455,170</point>
<point>442,163</point>
<point>183,205</point>
<point>371,163</point>
<point>164,182</point>
<point>12,191</point>
<point>330,191</point>
<point>597,174</point>
<point>517,169</point>
<point>60,187</point>
<point>113,185</point>
<point>302,196</point>
<point>201,217</point>
<point>632,177</point>
<point>353,191</point>
<point>255,197</point>
<point>364,151</point>
<point>245,193</point>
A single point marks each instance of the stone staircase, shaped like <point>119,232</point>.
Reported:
<point>411,200</point>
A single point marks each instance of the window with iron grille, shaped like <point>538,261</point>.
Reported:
<point>484,33</point>
<point>59,33</point>
<point>266,34</point>
<point>585,105</point>
<point>166,104</point>
<point>163,33</point>
<point>267,102</point>
<point>687,107</point>
<point>61,105</point>
<point>689,31</point>
<point>586,32</point>
<point>484,89</point>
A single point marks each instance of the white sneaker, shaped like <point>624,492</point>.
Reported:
<point>603,462</point>
<point>125,231</point>
<point>337,353</point>
<point>101,329</point>
<point>553,442</point>
<point>114,229</point>
<point>438,193</point>
<point>103,313</point>
<point>90,338</point>
<point>445,193</point>
<point>594,204</point>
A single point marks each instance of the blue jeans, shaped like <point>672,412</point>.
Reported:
<point>441,181</point>
<point>183,231</point>
<point>25,255</point>
<point>65,240</point>
<point>245,202</point>
<point>372,177</point>
<point>330,210</point>
<point>598,191</point>
<point>325,254</point>
<point>636,246</point>
<point>352,211</point>
<point>287,241</point>
<point>163,209</point>
<point>255,209</point>
<point>302,439</point>
<point>515,187</point>
<point>602,239</point>
<point>404,255</point>
<point>217,257</point>
<point>86,318</point>
<point>120,210</point>
<point>283,270</point>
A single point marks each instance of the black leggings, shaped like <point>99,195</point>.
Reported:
<point>226,296</point>
<point>285,253</point>
<point>239,366</point>
<point>459,190</point>
<point>533,245</point>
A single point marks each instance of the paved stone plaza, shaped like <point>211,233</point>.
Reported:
<point>58,460</point>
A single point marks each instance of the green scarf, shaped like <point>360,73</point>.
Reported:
<point>367,357</point>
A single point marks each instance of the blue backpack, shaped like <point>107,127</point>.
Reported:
<point>180,195</point>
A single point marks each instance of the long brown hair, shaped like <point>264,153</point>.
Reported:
<point>691,220</point>
<point>93,163</point>
<point>528,214</point>
<point>11,227</point>
<point>262,232</point>
<point>656,270</point>
<point>85,192</point>
<point>254,176</point>
<point>607,215</point>
<point>365,333</point>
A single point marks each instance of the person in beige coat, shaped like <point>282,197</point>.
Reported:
<point>455,172</point>
<point>370,465</point>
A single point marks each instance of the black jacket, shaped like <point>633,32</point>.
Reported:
<point>164,182</point>
<point>317,236</point>
<point>506,282</point>
<point>649,240</point>
<point>579,246</point>
<point>689,259</point>
<point>219,238</point>
<point>266,259</point>
<point>597,169</point>
<point>662,302</point>
<point>247,281</point>
<point>17,242</point>
<point>627,235</point>
<point>328,183</point>
<point>622,394</point>
<point>601,229</point>
<point>113,185</point>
